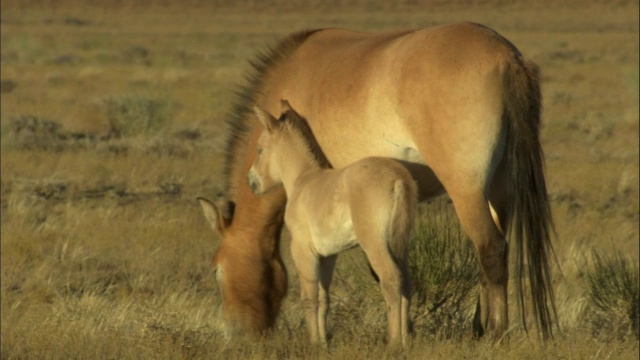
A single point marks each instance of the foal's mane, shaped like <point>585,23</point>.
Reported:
<point>240,121</point>
<point>298,126</point>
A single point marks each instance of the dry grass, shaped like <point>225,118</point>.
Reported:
<point>104,251</point>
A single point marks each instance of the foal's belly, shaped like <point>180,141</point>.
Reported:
<point>328,243</point>
<point>335,239</point>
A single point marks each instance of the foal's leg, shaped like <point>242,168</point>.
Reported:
<point>391,281</point>
<point>391,285</point>
<point>327,265</point>
<point>406,298</point>
<point>307,264</point>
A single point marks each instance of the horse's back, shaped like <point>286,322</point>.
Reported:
<point>390,91</point>
<point>349,62</point>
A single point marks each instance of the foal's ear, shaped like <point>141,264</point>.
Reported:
<point>218,220</point>
<point>267,120</point>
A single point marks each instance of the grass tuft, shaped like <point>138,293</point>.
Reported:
<point>613,294</point>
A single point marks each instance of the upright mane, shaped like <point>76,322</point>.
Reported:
<point>238,121</point>
<point>299,125</point>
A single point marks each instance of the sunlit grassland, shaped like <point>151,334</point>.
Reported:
<point>105,253</point>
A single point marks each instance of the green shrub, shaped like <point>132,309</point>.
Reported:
<point>613,296</point>
<point>133,114</point>
<point>444,272</point>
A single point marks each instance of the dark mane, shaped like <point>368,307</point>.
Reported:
<point>300,125</point>
<point>238,121</point>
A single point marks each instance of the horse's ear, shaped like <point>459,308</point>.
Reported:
<point>267,120</point>
<point>228,209</point>
<point>285,106</point>
<point>218,220</point>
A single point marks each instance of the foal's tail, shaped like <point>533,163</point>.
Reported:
<point>403,215</point>
<point>531,225</point>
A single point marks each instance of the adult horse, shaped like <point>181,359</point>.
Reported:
<point>458,104</point>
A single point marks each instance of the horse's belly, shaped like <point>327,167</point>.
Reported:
<point>364,145</point>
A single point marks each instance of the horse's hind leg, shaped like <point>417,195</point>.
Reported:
<point>501,213</point>
<point>327,265</point>
<point>476,218</point>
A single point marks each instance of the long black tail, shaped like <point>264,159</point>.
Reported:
<point>532,225</point>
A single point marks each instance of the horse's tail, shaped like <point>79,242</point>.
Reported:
<point>402,219</point>
<point>531,224</point>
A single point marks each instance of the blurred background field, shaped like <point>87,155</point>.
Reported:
<point>112,123</point>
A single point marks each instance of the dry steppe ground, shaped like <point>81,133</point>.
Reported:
<point>105,253</point>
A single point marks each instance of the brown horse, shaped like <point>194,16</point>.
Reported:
<point>458,104</point>
<point>371,203</point>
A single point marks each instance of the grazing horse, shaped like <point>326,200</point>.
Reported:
<point>458,104</point>
<point>371,203</point>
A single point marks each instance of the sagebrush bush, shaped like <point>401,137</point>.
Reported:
<point>32,132</point>
<point>134,114</point>
<point>613,294</point>
<point>444,271</point>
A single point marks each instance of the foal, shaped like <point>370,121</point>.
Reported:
<point>371,203</point>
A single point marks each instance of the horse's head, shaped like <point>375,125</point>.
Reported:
<point>250,299</point>
<point>249,270</point>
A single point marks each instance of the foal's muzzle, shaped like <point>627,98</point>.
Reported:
<point>254,182</point>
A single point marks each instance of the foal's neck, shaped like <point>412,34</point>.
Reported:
<point>296,161</point>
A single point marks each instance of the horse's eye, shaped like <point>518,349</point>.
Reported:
<point>260,151</point>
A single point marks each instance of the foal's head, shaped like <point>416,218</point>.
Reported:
<point>288,135</point>
<point>264,175</point>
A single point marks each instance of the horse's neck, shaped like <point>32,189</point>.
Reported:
<point>296,161</point>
